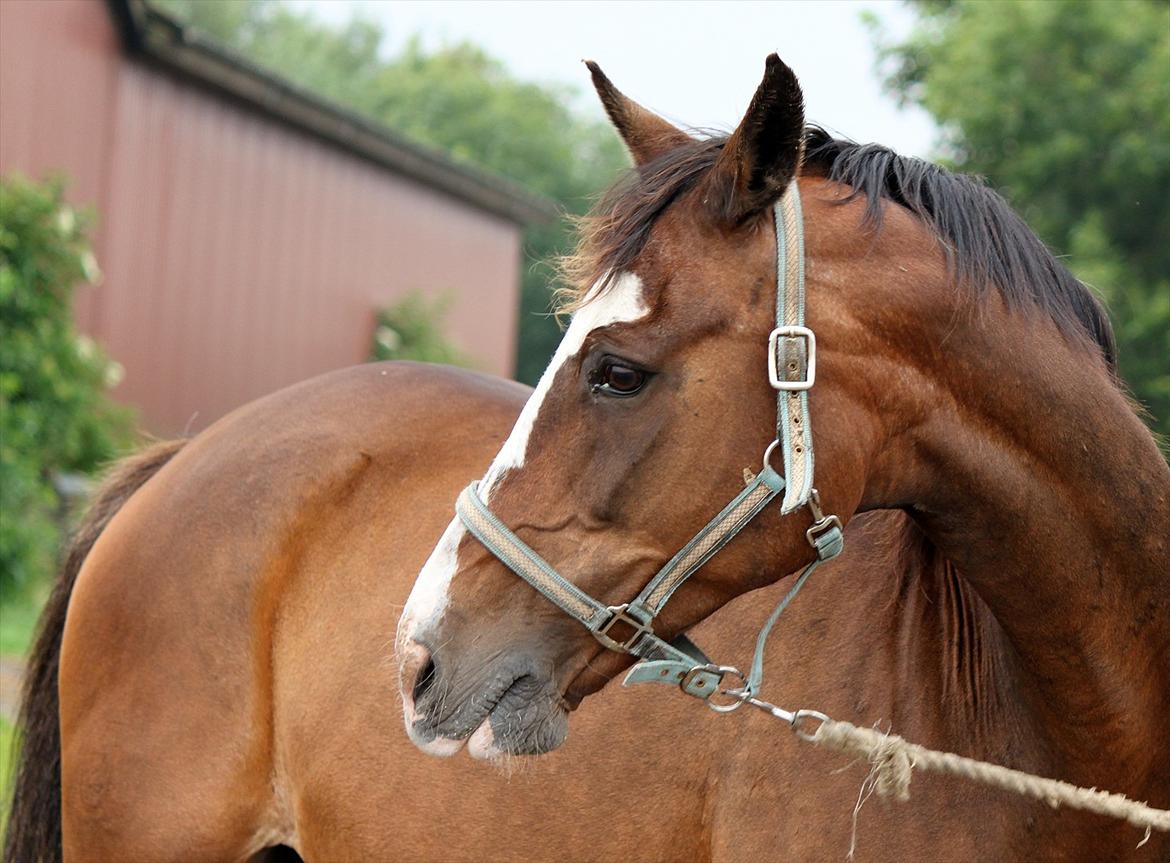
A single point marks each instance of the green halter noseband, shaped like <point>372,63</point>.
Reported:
<point>628,628</point>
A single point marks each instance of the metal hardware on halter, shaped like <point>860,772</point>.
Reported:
<point>768,452</point>
<point>821,522</point>
<point>640,628</point>
<point>710,677</point>
<point>795,718</point>
<point>774,372</point>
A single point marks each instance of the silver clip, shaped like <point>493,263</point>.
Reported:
<point>821,522</point>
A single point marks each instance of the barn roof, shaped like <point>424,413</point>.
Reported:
<point>164,41</point>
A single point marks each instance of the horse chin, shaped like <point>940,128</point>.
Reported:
<point>438,747</point>
<point>528,718</point>
<point>485,745</point>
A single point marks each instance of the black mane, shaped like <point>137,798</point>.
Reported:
<point>987,243</point>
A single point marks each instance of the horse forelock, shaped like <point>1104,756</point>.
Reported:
<point>615,231</point>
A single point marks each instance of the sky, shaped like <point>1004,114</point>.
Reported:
<point>696,63</point>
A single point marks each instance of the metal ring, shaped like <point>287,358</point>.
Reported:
<point>800,715</point>
<point>739,699</point>
<point>768,452</point>
<point>738,695</point>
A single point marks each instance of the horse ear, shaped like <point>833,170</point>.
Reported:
<point>646,135</point>
<point>763,154</point>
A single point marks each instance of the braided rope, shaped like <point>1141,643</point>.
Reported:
<point>893,759</point>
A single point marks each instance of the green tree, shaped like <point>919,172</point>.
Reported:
<point>411,329</point>
<point>55,416</point>
<point>456,98</point>
<point>1065,106</point>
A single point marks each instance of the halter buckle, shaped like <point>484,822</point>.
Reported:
<point>618,615</point>
<point>810,367</point>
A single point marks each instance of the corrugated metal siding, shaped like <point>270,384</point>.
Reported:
<point>59,66</point>
<point>239,254</point>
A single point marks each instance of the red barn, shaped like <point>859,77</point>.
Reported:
<point>249,231</point>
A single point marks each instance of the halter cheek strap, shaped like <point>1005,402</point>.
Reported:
<point>628,627</point>
<point>792,354</point>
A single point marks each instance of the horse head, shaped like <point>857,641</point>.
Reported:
<point>660,397</point>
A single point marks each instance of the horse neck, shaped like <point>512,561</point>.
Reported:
<point>1028,469</point>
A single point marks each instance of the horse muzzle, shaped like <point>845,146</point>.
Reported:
<point>505,704</point>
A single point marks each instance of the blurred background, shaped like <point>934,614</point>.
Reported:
<point>202,201</point>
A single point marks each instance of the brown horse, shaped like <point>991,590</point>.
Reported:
<point>223,623</point>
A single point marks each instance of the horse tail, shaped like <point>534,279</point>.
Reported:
<point>34,822</point>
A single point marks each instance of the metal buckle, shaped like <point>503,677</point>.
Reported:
<point>738,696</point>
<point>822,526</point>
<point>821,522</point>
<point>810,375</point>
<point>618,613</point>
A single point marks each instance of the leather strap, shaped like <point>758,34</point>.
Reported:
<point>674,671</point>
<point>519,557</point>
<point>795,349</point>
<point>759,492</point>
<point>526,563</point>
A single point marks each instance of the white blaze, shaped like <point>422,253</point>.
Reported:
<point>623,302</point>
<point>428,597</point>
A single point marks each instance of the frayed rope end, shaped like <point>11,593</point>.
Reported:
<point>887,754</point>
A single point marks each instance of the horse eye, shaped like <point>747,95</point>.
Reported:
<point>614,378</point>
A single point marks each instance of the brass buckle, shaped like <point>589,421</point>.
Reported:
<point>618,615</point>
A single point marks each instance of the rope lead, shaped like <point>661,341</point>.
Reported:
<point>893,759</point>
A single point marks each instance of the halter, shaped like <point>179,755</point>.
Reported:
<point>628,628</point>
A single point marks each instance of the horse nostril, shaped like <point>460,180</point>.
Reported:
<point>422,683</point>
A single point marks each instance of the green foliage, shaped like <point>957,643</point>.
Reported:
<point>54,413</point>
<point>8,757</point>
<point>19,616</point>
<point>412,329</point>
<point>1065,106</point>
<point>456,98</point>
